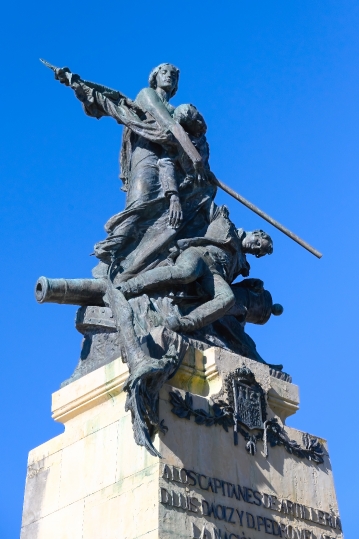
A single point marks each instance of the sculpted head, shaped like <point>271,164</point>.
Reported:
<point>221,228</point>
<point>190,119</point>
<point>257,243</point>
<point>165,76</point>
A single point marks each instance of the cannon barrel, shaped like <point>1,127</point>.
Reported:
<point>89,292</point>
<point>70,291</point>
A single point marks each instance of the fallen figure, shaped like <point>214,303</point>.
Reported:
<point>214,261</point>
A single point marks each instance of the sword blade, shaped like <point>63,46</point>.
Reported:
<point>47,64</point>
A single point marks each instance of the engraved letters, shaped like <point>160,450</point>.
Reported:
<point>203,503</point>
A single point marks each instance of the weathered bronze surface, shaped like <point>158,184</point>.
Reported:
<point>166,269</point>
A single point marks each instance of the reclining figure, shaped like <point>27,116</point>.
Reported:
<point>214,260</point>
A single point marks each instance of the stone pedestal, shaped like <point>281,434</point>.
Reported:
<point>94,482</point>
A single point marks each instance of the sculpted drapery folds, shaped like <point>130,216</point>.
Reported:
<point>169,260</point>
<point>154,163</point>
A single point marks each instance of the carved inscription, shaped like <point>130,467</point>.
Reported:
<point>242,517</point>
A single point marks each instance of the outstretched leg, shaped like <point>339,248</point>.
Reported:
<point>189,267</point>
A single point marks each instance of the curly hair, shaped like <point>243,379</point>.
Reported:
<point>152,78</point>
<point>190,118</point>
<point>265,236</point>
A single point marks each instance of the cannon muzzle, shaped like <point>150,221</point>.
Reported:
<point>70,291</point>
<point>258,302</point>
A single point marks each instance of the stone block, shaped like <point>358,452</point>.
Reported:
<point>94,482</point>
<point>66,523</point>
<point>283,398</point>
<point>129,509</point>
<point>42,488</point>
<point>88,465</point>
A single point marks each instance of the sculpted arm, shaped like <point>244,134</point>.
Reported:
<point>98,100</point>
<point>149,101</point>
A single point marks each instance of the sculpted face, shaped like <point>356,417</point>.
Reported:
<point>166,78</point>
<point>256,245</point>
<point>197,127</point>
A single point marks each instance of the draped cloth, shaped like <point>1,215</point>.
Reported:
<point>142,234</point>
<point>140,238</point>
<point>143,225</point>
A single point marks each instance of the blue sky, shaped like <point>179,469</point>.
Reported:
<point>277,82</point>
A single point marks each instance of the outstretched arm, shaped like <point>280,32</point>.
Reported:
<point>210,311</point>
<point>83,89</point>
<point>97,100</point>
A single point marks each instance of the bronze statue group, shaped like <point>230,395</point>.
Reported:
<point>172,255</point>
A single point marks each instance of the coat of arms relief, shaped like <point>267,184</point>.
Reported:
<point>241,405</point>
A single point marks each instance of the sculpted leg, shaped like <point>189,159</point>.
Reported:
<point>189,267</point>
<point>106,249</point>
<point>116,242</point>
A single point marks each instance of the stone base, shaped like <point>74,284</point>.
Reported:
<point>94,482</point>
